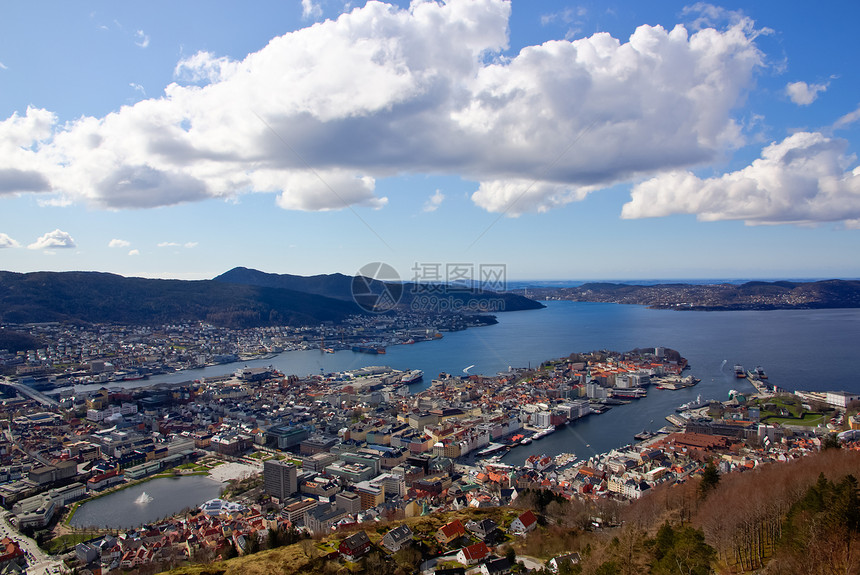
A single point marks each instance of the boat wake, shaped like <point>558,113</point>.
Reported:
<point>143,498</point>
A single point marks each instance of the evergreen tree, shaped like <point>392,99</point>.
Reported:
<point>710,479</point>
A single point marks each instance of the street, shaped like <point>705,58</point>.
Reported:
<point>38,563</point>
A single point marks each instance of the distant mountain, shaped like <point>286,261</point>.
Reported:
<point>337,286</point>
<point>92,297</point>
<point>413,295</point>
<point>750,295</point>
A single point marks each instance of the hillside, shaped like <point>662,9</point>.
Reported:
<point>802,516</point>
<point>92,297</point>
<point>413,295</point>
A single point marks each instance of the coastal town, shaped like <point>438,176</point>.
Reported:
<point>311,456</point>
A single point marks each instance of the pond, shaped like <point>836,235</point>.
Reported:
<point>146,502</point>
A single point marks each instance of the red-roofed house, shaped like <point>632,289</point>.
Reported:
<point>11,553</point>
<point>524,523</point>
<point>473,553</point>
<point>450,532</point>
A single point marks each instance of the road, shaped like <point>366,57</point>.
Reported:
<point>31,393</point>
<point>38,563</point>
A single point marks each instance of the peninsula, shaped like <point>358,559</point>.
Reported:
<point>754,295</point>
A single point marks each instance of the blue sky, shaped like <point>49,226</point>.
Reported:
<point>589,140</point>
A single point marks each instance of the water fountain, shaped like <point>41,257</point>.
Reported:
<point>143,498</point>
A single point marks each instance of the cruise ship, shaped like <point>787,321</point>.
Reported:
<point>413,376</point>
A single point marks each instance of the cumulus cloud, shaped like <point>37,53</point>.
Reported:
<point>433,203</point>
<point>310,9</point>
<point>804,94</point>
<point>116,243</point>
<point>318,115</point>
<point>134,252</point>
<point>56,239</point>
<point>141,39</point>
<point>805,178</point>
<point>7,242</point>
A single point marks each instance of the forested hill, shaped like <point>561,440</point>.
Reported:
<point>92,297</point>
<point>715,297</point>
<point>339,286</point>
<point>240,298</point>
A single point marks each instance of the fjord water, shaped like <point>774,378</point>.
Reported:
<point>799,349</point>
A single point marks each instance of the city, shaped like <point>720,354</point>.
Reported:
<point>314,455</point>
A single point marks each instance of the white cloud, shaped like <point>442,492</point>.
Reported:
<point>55,239</point>
<point>7,242</point>
<point>310,9</point>
<point>847,119</point>
<point>433,203</point>
<point>3,66</point>
<point>141,39</point>
<point>318,115</point>
<point>804,94</point>
<point>204,67</point>
<point>116,243</point>
<point>804,179</point>
<point>187,245</point>
<point>137,88</point>
<point>134,252</point>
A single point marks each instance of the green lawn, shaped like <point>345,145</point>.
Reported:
<point>64,542</point>
<point>808,419</point>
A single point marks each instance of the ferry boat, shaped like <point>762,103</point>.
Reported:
<point>413,376</point>
<point>541,433</point>
<point>643,435</point>
<point>492,448</point>
<point>739,371</point>
<point>760,372</point>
